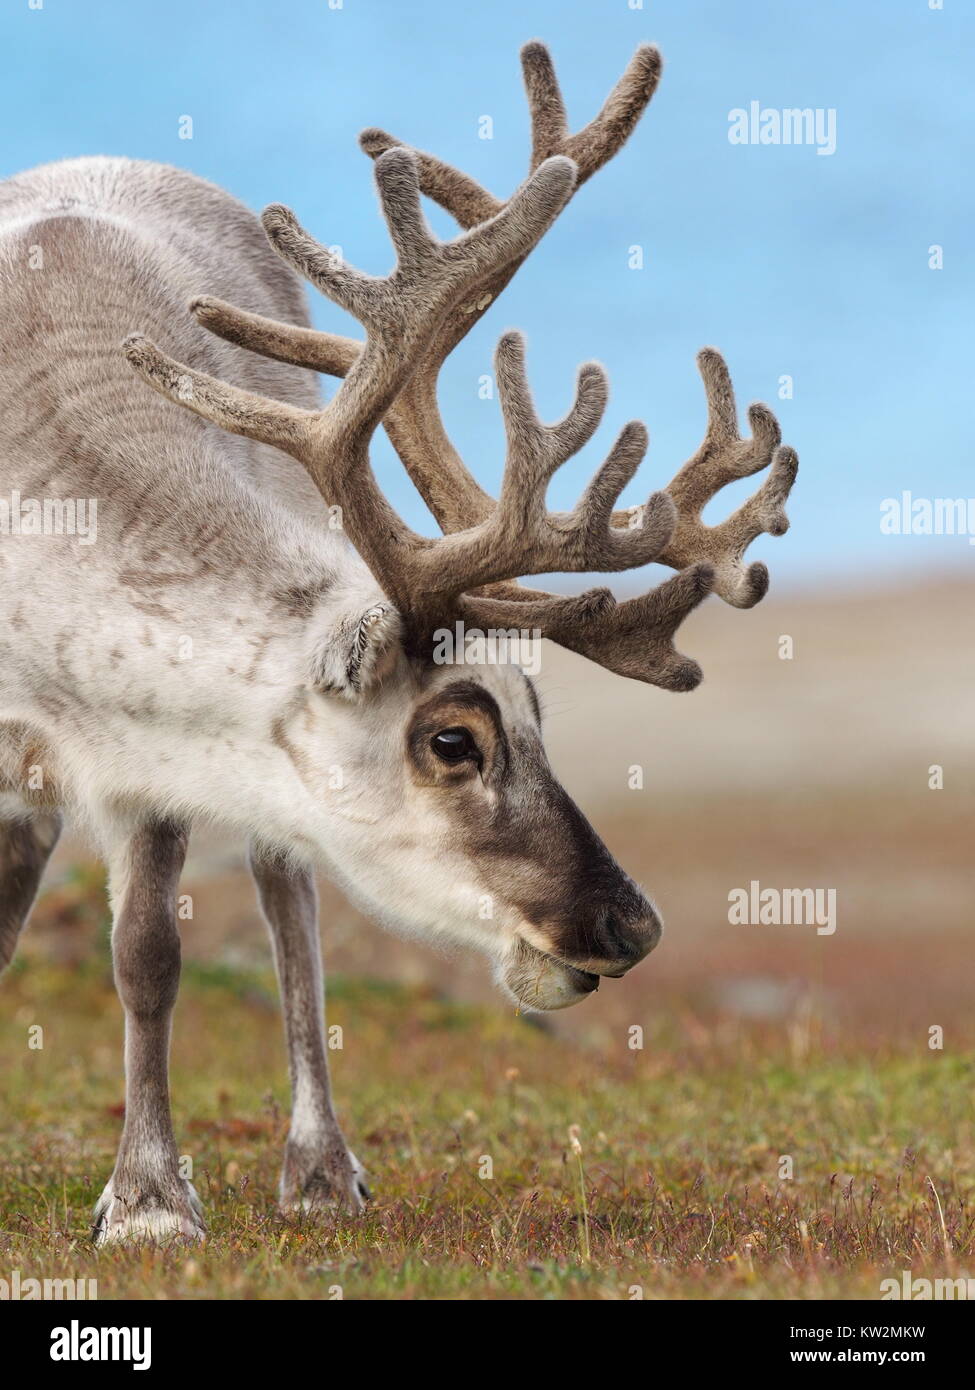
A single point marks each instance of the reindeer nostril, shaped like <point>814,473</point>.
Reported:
<point>626,939</point>
<point>618,943</point>
<point>632,950</point>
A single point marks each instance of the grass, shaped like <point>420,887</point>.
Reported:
<point>667,1185</point>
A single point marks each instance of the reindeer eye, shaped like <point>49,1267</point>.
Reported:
<point>454,745</point>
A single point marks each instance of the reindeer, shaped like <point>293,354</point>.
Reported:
<point>225,646</point>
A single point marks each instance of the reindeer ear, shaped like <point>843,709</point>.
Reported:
<point>360,648</point>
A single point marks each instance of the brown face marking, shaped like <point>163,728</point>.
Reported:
<point>532,846</point>
<point>467,705</point>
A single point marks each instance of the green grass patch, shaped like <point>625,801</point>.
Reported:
<point>678,1190</point>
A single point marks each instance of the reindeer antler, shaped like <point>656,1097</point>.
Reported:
<point>400,313</point>
<point>723,456</point>
<point>414,424</point>
<point>426,578</point>
<point>413,320</point>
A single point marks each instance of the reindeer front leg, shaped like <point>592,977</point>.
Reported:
<point>319,1169</point>
<point>146,1197</point>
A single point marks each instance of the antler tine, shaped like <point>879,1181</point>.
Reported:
<point>414,426</point>
<point>241,412</point>
<point>722,458</point>
<point>463,197</point>
<point>413,295</point>
<point>606,133</point>
<point>613,548</point>
<point>352,290</point>
<point>549,123</point>
<point>590,148</point>
<point>521,536</point>
<point>634,638</point>
<point>535,450</point>
<point>304,347</point>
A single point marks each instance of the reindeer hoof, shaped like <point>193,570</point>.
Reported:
<point>324,1181</point>
<point>150,1218</point>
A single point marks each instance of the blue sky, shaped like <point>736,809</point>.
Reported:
<point>789,261</point>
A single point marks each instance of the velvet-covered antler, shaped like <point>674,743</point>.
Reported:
<point>413,321</point>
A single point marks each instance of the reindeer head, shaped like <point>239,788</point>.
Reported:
<point>476,837</point>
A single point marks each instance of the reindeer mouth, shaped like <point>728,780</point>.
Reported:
<point>539,980</point>
<point>586,981</point>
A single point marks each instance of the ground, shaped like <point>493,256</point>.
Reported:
<point>676,1192</point>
